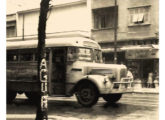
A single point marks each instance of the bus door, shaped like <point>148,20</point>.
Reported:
<point>58,74</point>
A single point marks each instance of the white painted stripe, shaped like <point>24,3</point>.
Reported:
<point>51,117</point>
<point>21,115</point>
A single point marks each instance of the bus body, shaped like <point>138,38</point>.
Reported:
<point>74,67</point>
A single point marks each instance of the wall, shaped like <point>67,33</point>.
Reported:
<point>102,3</point>
<point>69,19</point>
<point>64,18</point>
<point>144,31</point>
<point>30,23</point>
<point>126,32</point>
<point>11,25</point>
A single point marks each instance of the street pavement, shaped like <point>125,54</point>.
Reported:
<point>130,107</point>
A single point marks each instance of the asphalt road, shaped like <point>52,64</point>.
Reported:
<point>130,107</point>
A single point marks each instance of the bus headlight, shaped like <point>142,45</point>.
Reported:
<point>106,79</point>
<point>112,79</point>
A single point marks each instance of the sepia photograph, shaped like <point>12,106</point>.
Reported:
<point>82,59</point>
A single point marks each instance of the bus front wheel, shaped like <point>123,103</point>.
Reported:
<point>112,98</point>
<point>87,94</point>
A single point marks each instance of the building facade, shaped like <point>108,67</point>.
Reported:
<point>66,17</point>
<point>137,29</point>
<point>137,34</point>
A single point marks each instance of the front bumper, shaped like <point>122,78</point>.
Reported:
<point>124,86</point>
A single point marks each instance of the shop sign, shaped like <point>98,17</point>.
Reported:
<point>142,54</point>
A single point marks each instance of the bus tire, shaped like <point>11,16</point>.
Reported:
<point>11,96</point>
<point>112,98</point>
<point>33,97</point>
<point>87,94</point>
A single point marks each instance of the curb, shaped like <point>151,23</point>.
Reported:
<point>146,91</point>
<point>137,92</point>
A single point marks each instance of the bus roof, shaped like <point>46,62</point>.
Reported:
<point>55,42</point>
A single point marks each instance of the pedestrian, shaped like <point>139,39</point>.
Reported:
<point>129,74</point>
<point>156,79</point>
<point>150,80</point>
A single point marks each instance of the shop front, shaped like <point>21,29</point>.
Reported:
<point>108,56</point>
<point>142,63</point>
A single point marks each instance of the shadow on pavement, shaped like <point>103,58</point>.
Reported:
<point>73,109</point>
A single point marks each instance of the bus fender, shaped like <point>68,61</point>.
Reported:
<point>101,82</point>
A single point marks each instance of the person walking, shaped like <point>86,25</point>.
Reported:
<point>150,80</point>
<point>129,74</point>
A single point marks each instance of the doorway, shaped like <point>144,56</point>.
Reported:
<point>58,77</point>
<point>147,66</point>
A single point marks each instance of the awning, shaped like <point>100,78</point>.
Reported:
<point>135,48</point>
<point>151,53</point>
<point>110,50</point>
<point>131,47</point>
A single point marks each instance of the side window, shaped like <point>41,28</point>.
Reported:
<point>26,56</point>
<point>85,54</point>
<point>72,54</point>
<point>104,18</point>
<point>58,55</point>
<point>139,15</point>
<point>12,56</point>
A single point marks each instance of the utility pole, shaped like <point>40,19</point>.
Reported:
<point>115,32</point>
<point>42,104</point>
<point>23,25</point>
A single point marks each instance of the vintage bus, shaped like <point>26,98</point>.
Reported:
<point>75,66</point>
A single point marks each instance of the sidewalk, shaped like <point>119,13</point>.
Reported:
<point>146,90</point>
<point>137,88</point>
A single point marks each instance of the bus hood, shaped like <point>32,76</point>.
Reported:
<point>112,70</point>
<point>100,65</point>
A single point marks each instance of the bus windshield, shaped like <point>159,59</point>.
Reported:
<point>84,54</point>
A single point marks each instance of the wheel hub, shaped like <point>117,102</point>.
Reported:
<point>86,94</point>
